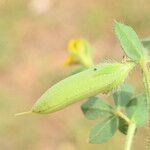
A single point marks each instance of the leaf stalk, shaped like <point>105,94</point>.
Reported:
<point>146,80</point>
<point>130,135</point>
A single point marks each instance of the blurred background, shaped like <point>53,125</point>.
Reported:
<point>33,46</point>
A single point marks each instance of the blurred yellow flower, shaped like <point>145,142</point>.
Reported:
<point>79,53</point>
<point>69,60</point>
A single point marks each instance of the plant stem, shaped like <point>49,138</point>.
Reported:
<point>131,129</point>
<point>146,80</point>
<point>123,116</point>
<point>130,135</point>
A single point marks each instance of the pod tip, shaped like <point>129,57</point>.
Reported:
<point>23,113</point>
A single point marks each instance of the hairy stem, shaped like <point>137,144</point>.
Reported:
<point>130,135</point>
<point>146,80</point>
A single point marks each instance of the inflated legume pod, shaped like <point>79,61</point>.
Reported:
<point>99,79</point>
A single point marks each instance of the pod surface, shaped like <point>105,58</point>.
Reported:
<point>99,79</point>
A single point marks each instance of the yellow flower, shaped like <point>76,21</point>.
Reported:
<point>79,53</point>
<point>68,61</point>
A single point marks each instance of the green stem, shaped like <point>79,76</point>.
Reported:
<point>130,135</point>
<point>146,80</point>
<point>123,116</point>
<point>131,129</point>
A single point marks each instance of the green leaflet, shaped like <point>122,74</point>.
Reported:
<point>123,126</point>
<point>129,41</point>
<point>95,108</point>
<point>137,110</point>
<point>99,79</point>
<point>146,42</point>
<point>103,131</point>
<point>123,95</point>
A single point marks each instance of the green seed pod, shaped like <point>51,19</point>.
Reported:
<point>102,78</point>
